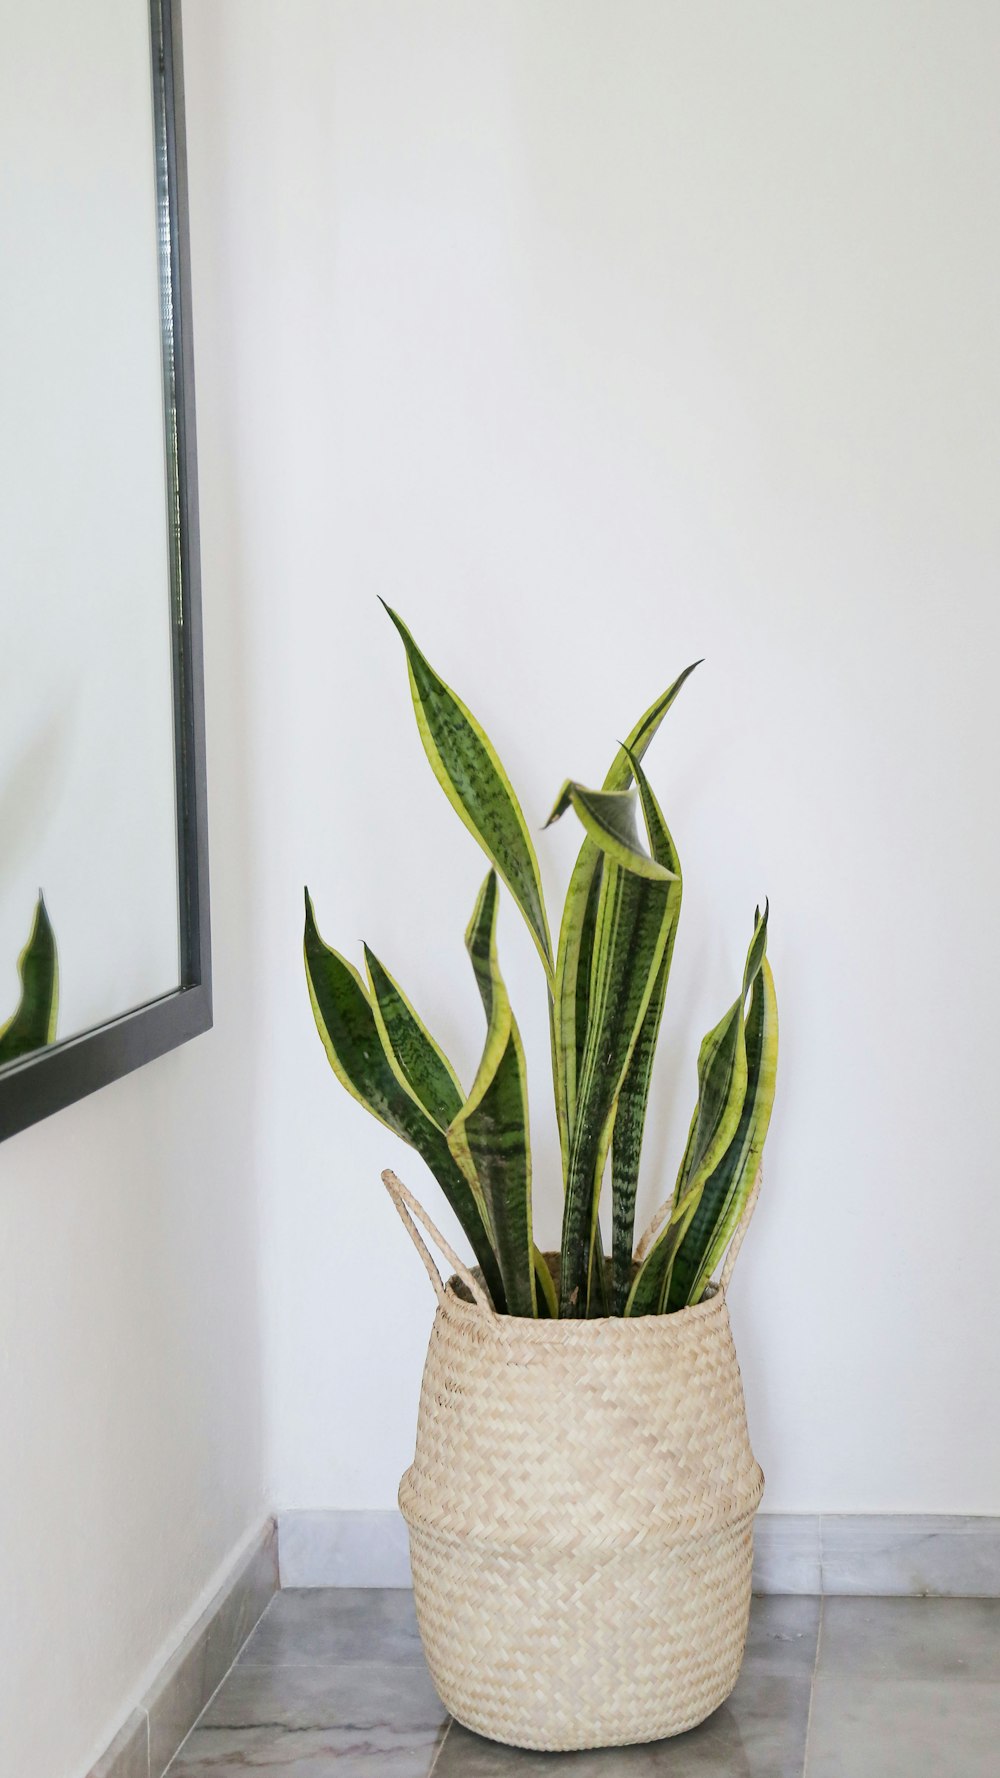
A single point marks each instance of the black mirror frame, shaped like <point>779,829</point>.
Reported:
<point>56,1076</point>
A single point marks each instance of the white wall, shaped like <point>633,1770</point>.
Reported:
<point>131,1461</point>
<point>598,337</point>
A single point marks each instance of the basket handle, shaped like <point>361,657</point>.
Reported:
<point>739,1234</point>
<point>411,1213</point>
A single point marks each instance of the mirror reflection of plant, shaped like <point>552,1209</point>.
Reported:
<point>607,983</point>
<point>33,1023</point>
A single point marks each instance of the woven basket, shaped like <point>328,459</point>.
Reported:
<point>580,1508</point>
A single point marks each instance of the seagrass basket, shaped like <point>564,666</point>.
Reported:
<point>580,1508</point>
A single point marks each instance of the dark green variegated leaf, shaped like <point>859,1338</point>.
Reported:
<point>630,1115</point>
<point>630,936</point>
<point>466,765</point>
<point>545,1290</point>
<point>722,1079</point>
<point>346,1024</point>
<point>32,1024</point>
<point>572,991</point>
<point>620,772</point>
<point>415,1059</point>
<point>489,1137</point>
<point>727,1189</point>
<point>481,939</point>
<point>609,819</point>
<point>758,948</point>
<point>576,935</point>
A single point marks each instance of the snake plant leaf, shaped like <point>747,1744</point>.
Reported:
<point>722,1081</point>
<point>630,936</point>
<point>572,990</point>
<point>481,940</point>
<point>758,948</point>
<point>576,933</point>
<point>630,1115</point>
<point>727,1189</point>
<point>489,1137</point>
<point>347,1026</point>
<point>32,1024</point>
<point>419,1065</point>
<point>620,772</point>
<point>609,818</point>
<point>466,765</point>
<point>545,1290</point>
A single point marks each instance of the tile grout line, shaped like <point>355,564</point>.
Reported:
<point>812,1686</point>
<point>144,1713</point>
<point>180,1748</point>
<point>821,1535</point>
<point>432,1768</point>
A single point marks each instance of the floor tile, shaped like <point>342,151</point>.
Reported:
<point>907,1728</point>
<point>356,1695</point>
<point>759,1733</point>
<point>307,1627</point>
<point>932,1639</point>
<point>782,1637</point>
<point>356,1720</point>
<point>272,1752</point>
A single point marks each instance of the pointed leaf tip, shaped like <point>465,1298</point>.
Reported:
<point>468,769</point>
<point>644,730</point>
<point>561,803</point>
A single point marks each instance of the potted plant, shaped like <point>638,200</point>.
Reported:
<point>581,1499</point>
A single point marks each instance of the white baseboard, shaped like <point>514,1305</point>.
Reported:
<point>890,1553</point>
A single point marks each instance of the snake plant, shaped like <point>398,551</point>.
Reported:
<point>606,982</point>
<point>32,1024</point>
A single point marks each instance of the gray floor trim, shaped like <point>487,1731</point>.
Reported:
<point>907,1554</point>
<point>343,1549</point>
<point>148,1741</point>
<point>128,1755</point>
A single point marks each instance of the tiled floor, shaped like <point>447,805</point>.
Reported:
<point>333,1685</point>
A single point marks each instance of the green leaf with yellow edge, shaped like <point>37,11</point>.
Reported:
<point>419,1065</point>
<point>609,819</point>
<point>489,1137</point>
<point>347,1027</point>
<point>722,1080</point>
<point>576,933</point>
<point>727,1189</point>
<point>545,1290</point>
<point>466,765</point>
<point>634,748</point>
<point>630,1113</point>
<point>481,941</point>
<point>32,1024</point>
<point>630,935</point>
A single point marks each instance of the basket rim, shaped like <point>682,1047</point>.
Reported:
<point>460,1307</point>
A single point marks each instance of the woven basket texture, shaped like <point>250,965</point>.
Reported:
<point>580,1508</point>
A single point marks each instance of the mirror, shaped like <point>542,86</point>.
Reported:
<point>103,870</point>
